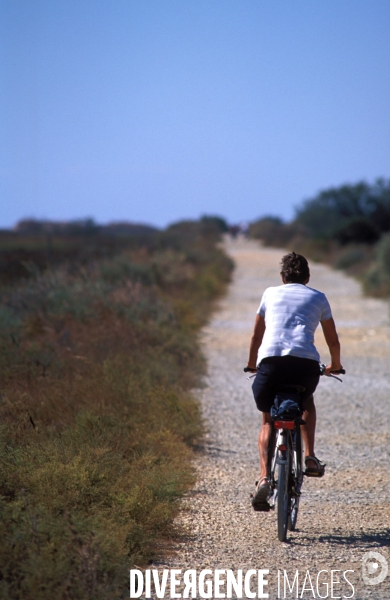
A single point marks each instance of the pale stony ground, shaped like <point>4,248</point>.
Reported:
<point>343,515</point>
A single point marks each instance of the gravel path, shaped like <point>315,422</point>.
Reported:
<point>343,515</point>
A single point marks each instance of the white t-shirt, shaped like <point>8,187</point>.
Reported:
<point>292,312</point>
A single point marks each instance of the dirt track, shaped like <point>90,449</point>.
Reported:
<point>343,515</point>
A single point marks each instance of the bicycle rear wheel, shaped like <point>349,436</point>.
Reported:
<point>284,494</point>
<point>297,480</point>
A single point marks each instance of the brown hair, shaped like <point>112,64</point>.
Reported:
<point>295,268</point>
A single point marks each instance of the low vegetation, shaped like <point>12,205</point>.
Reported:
<point>98,352</point>
<point>347,227</point>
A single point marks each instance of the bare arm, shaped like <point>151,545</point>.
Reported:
<point>332,340</point>
<point>256,340</point>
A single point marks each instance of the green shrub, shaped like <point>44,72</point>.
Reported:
<point>121,268</point>
<point>383,255</point>
<point>376,280</point>
<point>349,257</point>
<point>272,231</point>
<point>375,283</point>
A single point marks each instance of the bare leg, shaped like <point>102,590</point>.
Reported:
<point>308,430</point>
<point>263,443</point>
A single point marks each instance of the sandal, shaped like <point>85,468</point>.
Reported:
<point>261,495</point>
<point>318,470</point>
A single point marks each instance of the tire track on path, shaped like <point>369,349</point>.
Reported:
<point>343,515</point>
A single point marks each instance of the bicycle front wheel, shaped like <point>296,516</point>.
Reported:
<point>284,496</point>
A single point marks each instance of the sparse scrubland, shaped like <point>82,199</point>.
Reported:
<point>98,354</point>
<point>347,227</point>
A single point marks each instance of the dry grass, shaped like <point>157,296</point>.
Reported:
<point>96,419</point>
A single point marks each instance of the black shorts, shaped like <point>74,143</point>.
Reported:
<point>274,371</point>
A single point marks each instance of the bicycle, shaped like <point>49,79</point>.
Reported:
<point>285,459</point>
<point>285,471</point>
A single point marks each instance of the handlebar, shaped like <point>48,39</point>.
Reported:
<point>332,373</point>
<point>322,371</point>
<point>338,372</point>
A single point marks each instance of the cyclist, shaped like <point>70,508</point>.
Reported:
<point>282,351</point>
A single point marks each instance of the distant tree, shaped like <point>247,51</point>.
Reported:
<point>35,226</point>
<point>124,228</point>
<point>358,230</point>
<point>351,213</point>
<point>82,226</point>
<point>380,205</point>
<point>215,222</point>
<point>29,226</point>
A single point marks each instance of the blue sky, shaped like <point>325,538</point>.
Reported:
<point>157,110</point>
